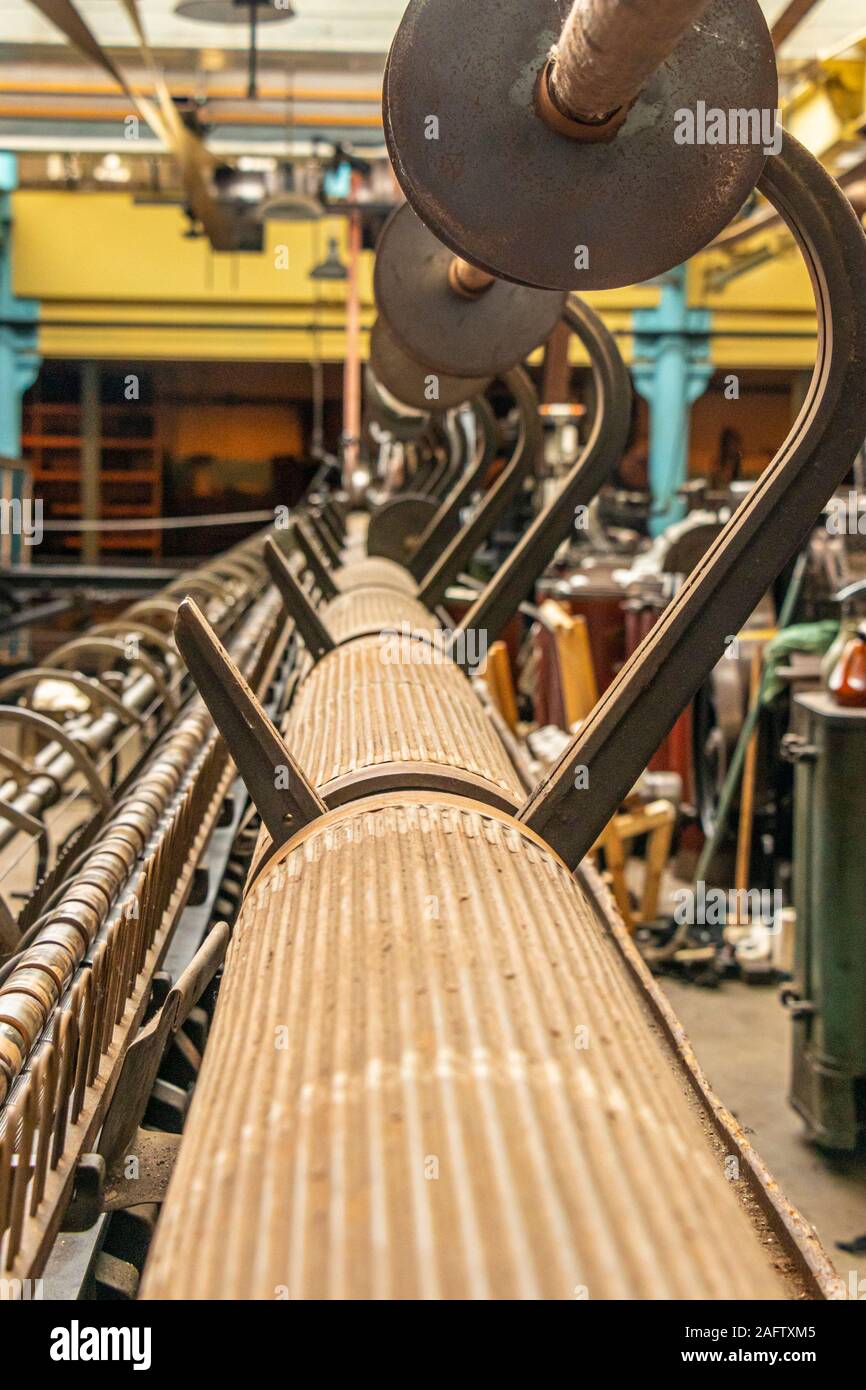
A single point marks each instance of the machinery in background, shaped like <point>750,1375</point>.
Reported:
<point>827,998</point>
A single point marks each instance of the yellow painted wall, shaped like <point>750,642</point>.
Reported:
<point>764,318</point>
<point>116,280</point>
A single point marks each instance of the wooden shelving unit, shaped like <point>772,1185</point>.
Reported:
<point>130,474</point>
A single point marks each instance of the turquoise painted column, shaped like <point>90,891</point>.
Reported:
<point>19,357</point>
<point>671,371</point>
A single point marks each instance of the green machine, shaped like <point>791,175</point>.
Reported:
<point>828,996</point>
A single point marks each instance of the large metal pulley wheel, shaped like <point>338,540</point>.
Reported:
<point>467,337</point>
<point>414,384</point>
<point>504,190</point>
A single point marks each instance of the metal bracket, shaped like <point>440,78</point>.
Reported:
<point>259,753</point>
<point>142,1060</point>
<point>323,536</point>
<point>315,635</point>
<point>313,561</point>
<point>445,525</point>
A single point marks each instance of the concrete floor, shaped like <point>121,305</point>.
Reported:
<point>741,1036</point>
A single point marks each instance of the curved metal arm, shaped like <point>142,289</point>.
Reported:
<point>426,451</point>
<point>656,684</point>
<point>449,461</point>
<point>157,610</point>
<point>55,733</point>
<point>514,582</point>
<point>150,636</point>
<point>497,501</point>
<point>79,647</point>
<point>23,682</point>
<point>446,523</point>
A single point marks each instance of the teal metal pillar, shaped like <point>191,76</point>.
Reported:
<point>19,357</point>
<point>671,371</point>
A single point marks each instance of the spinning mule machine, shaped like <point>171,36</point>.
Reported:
<point>429,1061</point>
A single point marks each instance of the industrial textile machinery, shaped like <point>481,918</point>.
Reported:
<point>437,1067</point>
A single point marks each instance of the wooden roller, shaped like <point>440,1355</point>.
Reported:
<point>431,1076</point>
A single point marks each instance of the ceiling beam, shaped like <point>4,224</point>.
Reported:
<point>790,19</point>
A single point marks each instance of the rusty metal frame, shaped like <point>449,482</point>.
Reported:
<point>313,561</point>
<point>316,637</point>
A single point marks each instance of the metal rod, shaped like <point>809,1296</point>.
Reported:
<point>252,84</point>
<point>352,367</point>
<point>91,458</point>
<point>791,18</point>
<point>468,280</point>
<point>313,561</point>
<point>608,49</point>
<point>327,545</point>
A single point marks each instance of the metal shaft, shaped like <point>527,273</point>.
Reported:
<point>609,48</point>
<point>467,280</point>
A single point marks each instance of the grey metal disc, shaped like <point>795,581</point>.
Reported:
<point>415,385</point>
<point>397,526</point>
<point>403,425</point>
<point>502,189</point>
<point>464,337</point>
